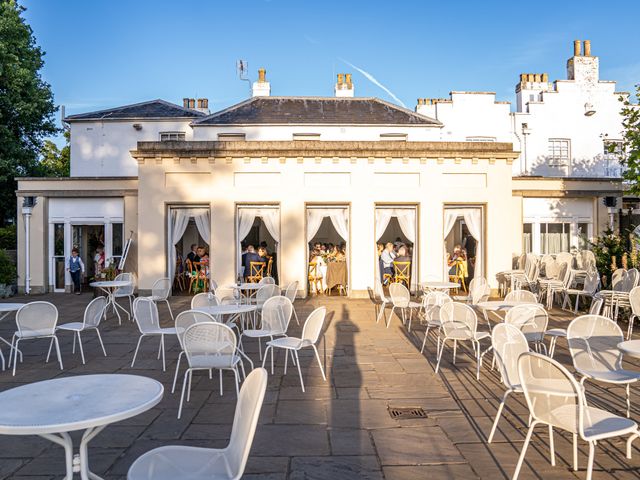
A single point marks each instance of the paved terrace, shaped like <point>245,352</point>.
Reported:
<point>336,430</point>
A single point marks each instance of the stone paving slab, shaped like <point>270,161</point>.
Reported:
<point>338,429</point>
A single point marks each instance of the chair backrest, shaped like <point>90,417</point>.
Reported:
<point>256,271</point>
<point>245,421</point>
<point>291,291</point>
<point>94,312</point>
<point>213,285</point>
<point>631,280</point>
<point>565,257</point>
<point>205,299</point>
<point>267,281</point>
<point>432,302</point>
<point>402,271</point>
<point>458,316</point>
<point>596,306</point>
<point>37,318</point>
<point>535,272</point>
<point>588,260</point>
<point>187,318</point>
<point>634,300</point>
<point>477,282</point>
<point>548,387</point>
<point>480,294</point>
<point>618,279</point>
<point>161,288</point>
<point>522,259</point>
<point>276,313</point>
<point>593,343</point>
<point>265,292</point>
<point>227,295</point>
<point>530,319</point>
<point>521,296</point>
<point>208,342</point>
<point>145,313</point>
<point>313,326</point>
<point>399,294</point>
<point>552,269</point>
<point>591,283</point>
<point>508,343</point>
<point>125,277</point>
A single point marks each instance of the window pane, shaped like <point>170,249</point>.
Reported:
<point>583,236</point>
<point>117,242</point>
<point>58,239</point>
<point>527,230</point>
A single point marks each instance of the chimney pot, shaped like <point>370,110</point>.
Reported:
<point>530,77</point>
<point>185,102</point>
<point>523,77</point>
<point>545,77</point>
<point>538,77</point>
<point>577,48</point>
<point>199,103</point>
<point>587,48</point>
<point>347,78</point>
<point>262,75</point>
<point>192,103</point>
<point>205,103</point>
<point>340,78</point>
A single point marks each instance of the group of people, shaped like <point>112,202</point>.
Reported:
<point>75,266</point>
<point>327,252</point>
<point>199,256</point>
<point>258,255</point>
<point>390,255</point>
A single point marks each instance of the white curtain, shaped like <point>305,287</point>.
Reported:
<point>340,220</point>
<point>202,218</point>
<point>473,220</point>
<point>271,219</point>
<point>314,220</point>
<point>407,220</point>
<point>246,217</point>
<point>178,221</point>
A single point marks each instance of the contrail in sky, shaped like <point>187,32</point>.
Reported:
<point>373,80</point>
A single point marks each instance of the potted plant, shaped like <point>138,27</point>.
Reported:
<point>7,275</point>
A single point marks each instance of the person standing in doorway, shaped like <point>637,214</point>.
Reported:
<point>75,267</point>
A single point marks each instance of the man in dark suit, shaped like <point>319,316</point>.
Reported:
<point>250,256</point>
<point>193,255</point>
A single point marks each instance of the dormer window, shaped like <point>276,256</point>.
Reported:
<point>172,136</point>
<point>397,137</point>
<point>306,136</point>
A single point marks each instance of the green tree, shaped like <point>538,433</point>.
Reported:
<point>56,161</point>
<point>26,104</point>
<point>631,142</point>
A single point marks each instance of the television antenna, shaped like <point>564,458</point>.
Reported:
<point>242,68</point>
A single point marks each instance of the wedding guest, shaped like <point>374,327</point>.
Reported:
<point>98,260</point>
<point>75,267</point>
<point>402,255</point>
<point>193,254</point>
<point>387,257</point>
<point>251,256</point>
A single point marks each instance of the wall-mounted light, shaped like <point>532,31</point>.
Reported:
<point>137,126</point>
<point>588,109</point>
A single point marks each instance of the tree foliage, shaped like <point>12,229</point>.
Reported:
<point>26,105</point>
<point>56,161</point>
<point>631,143</point>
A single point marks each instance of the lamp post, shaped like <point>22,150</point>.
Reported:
<point>27,208</point>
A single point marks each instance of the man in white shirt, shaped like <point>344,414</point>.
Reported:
<point>386,259</point>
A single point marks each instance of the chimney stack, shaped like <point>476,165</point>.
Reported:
<point>344,86</point>
<point>203,105</point>
<point>192,103</point>
<point>185,102</point>
<point>577,48</point>
<point>261,88</point>
<point>587,48</point>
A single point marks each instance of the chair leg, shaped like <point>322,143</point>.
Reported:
<point>324,377</point>
<point>272,350</point>
<point>73,347</point>
<point>51,346</point>
<point>189,382</point>
<point>524,451</point>
<point>220,380</point>
<point>552,450</point>
<point>237,375</point>
<point>184,387</point>
<point>575,452</point>
<point>135,354</point>
<point>164,366</point>
<point>498,414</point>
<point>15,353</point>
<point>169,308</point>
<point>286,360</point>
<point>266,353</point>
<point>592,451</point>
<point>424,341</point>
<point>629,442</point>
<point>299,370</point>
<point>628,400</point>
<point>81,349</point>
<point>175,377</point>
<point>455,348</point>
<point>58,352</point>
<point>101,344</point>
<point>440,354</point>
<point>393,309</point>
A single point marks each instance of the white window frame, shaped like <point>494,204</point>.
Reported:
<point>554,145</point>
<point>179,136</point>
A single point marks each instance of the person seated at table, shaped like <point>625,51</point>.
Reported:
<point>455,258</point>
<point>403,255</point>
<point>387,257</point>
<point>193,254</point>
<point>251,256</point>
<point>380,248</point>
<point>340,255</point>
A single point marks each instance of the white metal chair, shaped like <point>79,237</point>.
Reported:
<point>552,272</point>
<point>204,299</point>
<point>126,292</point>
<point>401,299</point>
<point>432,302</point>
<point>459,324</point>
<point>555,333</point>
<point>475,287</point>
<point>508,344</point>
<point>267,281</point>
<point>591,282</point>
<point>145,313</point>
<point>521,296</point>
<point>291,292</point>
<point>310,334</point>
<point>35,320</point>
<point>380,300</point>
<point>555,399</point>
<point>274,321</point>
<point>634,302</point>
<point>160,292</point>
<point>183,321</point>
<point>593,343</point>
<point>532,320</point>
<point>91,321</point>
<point>197,463</point>
<point>210,346</point>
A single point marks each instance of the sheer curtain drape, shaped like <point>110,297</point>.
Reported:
<point>202,218</point>
<point>473,220</point>
<point>407,221</point>
<point>178,221</point>
<point>339,218</point>
<point>246,217</point>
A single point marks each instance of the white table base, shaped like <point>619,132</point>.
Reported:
<point>111,300</point>
<point>79,462</point>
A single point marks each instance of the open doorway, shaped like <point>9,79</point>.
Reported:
<point>328,253</point>
<point>258,233</point>
<point>89,240</point>
<point>189,236</point>
<point>396,245</point>
<point>463,244</point>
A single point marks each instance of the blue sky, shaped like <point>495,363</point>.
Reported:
<point>108,53</point>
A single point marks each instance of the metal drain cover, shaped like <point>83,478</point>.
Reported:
<point>406,412</point>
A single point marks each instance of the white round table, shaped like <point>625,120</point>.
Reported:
<point>53,408</point>
<point>251,288</point>
<point>630,347</point>
<point>5,310</point>
<point>109,287</point>
<point>495,305</point>
<point>237,310</point>
<point>440,285</point>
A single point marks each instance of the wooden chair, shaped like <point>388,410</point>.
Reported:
<point>198,276</point>
<point>256,272</point>
<point>315,278</point>
<point>402,272</point>
<point>178,278</point>
<point>461,274</point>
<point>270,267</point>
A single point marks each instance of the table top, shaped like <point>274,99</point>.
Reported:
<point>246,286</point>
<point>76,403</point>
<point>630,347</point>
<point>440,285</point>
<point>229,308</point>
<point>11,307</point>
<point>503,305</point>
<point>110,283</point>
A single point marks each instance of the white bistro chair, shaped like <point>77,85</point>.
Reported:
<point>460,324</point>
<point>35,320</point>
<point>593,343</point>
<point>556,399</point>
<point>91,321</point>
<point>591,283</point>
<point>401,299</point>
<point>508,344</point>
<point>555,333</point>
<point>310,334</point>
<point>160,292</point>
<point>126,292</point>
<point>145,313</point>
<point>274,322</point>
<point>532,320</point>
<point>197,463</point>
<point>291,292</point>
<point>210,346</point>
<point>521,296</point>
<point>634,302</point>
<point>432,302</point>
